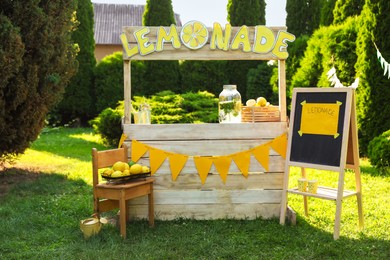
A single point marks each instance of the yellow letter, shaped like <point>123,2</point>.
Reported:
<point>264,39</point>
<point>129,52</point>
<point>242,37</point>
<point>145,47</point>
<point>280,49</point>
<point>163,37</point>
<point>218,40</point>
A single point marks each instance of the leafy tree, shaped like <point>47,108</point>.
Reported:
<point>373,93</point>
<point>259,83</point>
<point>109,80</point>
<point>327,12</point>
<point>203,75</point>
<point>78,99</point>
<point>303,16</point>
<point>37,59</point>
<point>329,46</point>
<point>161,75</point>
<point>346,8</point>
<point>243,12</point>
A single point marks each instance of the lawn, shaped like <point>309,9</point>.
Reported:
<point>48,191</point>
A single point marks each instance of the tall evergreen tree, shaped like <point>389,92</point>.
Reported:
<point>78,101</point>
<point>160,75</point>
<point>373,93</point>
<point>303,16</point>
<point>250,13</point>
<point>327,12</point>
<point>37,59</point>
<point>346,8</point>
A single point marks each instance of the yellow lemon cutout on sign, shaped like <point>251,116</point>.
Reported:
<point>194,35</point>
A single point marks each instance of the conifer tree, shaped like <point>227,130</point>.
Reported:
<point>78,101</point>
<point>250,13</point>
<point>373,93</point>
<point>160,75</point>
<point>37,59</point>
<point>346,8</point>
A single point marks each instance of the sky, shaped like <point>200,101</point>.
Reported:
<point>210,11</point>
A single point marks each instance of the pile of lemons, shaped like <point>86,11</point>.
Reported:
<point>259,102</point>
<point>122,169</point>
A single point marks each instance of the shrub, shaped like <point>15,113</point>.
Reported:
<point>166,107</point>
<point>379,152</point>
<point>108,124</point>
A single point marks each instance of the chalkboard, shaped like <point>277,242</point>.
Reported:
<point>319,126</point>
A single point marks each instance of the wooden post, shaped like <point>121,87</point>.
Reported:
<point>127,91</point>
<point>282,91</point>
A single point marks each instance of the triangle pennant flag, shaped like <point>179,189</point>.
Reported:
<point>242,161</point>
<point>203,165</point>
<point>122,140</point>
<point>279,144</point>
<point>261,154</point>
<point>176,164</point>
<point>157,157</point>
<point>137,150</point>
<point>222,164</point>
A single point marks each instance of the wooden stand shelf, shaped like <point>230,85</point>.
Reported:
<point>324,193</point>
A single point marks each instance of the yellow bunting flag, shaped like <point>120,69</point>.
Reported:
<point>137,150</point>
<point>176,164</point>
<point>261,154</point>
<point>157,157</point>
<point>222,164</point>
<point>203,165</point>
<point>279,144</point>
<point>242,161</point>
<point>122,140</point>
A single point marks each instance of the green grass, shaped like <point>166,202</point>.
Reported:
<point>51,192</point>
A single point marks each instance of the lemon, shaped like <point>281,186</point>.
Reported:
<point>116,174</point>
<point>107,172</point>
<point>261,101</point>
<point>250,103</point>
<point>194,35</point>
<point>126,173</point>
<point>119,166</point>
<point>145,169</point>
<point>136,169</point>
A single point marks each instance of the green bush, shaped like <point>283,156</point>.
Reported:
<point>108,124</point>
<point>166,108</point>
<point>109,80</point>
<point>379,152</point>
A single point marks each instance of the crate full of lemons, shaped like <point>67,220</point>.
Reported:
<point>259,110</point>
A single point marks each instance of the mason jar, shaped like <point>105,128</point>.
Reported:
<point>229,105</point>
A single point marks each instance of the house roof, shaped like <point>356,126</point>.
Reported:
<point>110,18</point>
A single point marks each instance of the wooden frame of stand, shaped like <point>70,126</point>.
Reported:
<point>343,154</point>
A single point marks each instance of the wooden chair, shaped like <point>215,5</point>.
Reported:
<point>109,196</point>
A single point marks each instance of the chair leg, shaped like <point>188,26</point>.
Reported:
<point>151,208</point>
<point>122,217</point>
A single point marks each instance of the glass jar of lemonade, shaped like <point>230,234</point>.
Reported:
<point>229,105</point>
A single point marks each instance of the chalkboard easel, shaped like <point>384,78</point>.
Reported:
<point>323,135</point>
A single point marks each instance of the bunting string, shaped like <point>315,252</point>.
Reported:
<point>385,65</point>
<point>335,82</point>
<point>203,164</point>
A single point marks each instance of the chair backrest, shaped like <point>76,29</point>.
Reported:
<point>106,158</point>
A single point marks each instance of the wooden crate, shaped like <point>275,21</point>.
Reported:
<point>260,114</point>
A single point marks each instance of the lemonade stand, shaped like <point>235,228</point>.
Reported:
<point>209,171</point>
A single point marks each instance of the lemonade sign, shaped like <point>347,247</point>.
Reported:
<point>195,35</point>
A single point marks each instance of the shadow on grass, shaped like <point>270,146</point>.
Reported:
<point>40,217</point>
<point>63,142</point>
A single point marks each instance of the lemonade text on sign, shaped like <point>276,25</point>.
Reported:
<point>194,35</point>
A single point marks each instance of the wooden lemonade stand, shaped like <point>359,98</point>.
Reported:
<point>258,192</point>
